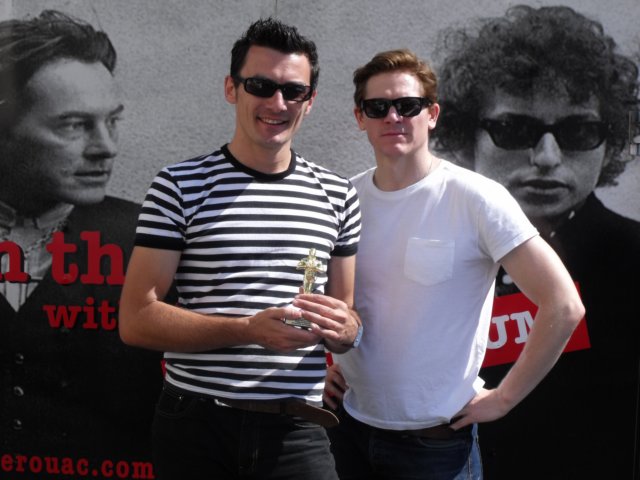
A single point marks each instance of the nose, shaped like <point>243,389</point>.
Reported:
<point>547,153</point>
<point>393,116</point>
<point>277,102</point>
<point>103,141</point>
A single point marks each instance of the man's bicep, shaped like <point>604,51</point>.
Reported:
<point>537,270</point>
<point>150,274</point>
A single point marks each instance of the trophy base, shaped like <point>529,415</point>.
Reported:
<point>298,322</point>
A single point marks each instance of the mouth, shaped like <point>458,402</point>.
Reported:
<point>394,133</point>
<point>94,176</point>
<point>541,186</point>
<point>276,122</point>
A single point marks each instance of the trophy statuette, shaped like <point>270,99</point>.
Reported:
<point>311,266</point>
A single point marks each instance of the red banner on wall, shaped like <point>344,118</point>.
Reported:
<point>511,322</point>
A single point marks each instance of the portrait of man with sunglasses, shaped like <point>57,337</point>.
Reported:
<point>243,389</point>
<point>434,234</point>
<point>538,100</point>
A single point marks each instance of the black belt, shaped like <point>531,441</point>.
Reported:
<point>439,432</point>
<point>294,407</point>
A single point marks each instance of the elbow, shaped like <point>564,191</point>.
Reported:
<point>574,313</point>
<point>126,337</point>
<point>127,332</point>
<point>580,313</point>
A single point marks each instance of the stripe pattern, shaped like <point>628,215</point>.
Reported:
<point>242,234</point>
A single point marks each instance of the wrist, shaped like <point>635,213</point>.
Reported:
<point>357,339</point>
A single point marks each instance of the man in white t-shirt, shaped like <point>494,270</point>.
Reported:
<point>433,237</point>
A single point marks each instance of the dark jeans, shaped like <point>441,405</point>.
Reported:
<point>363,452</point>
<point>196,438</point>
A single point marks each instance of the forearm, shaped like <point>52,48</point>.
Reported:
<point>539,273</point>
<point>164,327</point>
<point>146,320</point>
<point>551,330</point>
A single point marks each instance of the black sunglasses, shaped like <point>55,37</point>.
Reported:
<point>405,106</point>
<point>265,88</point>
<point>521,132</point>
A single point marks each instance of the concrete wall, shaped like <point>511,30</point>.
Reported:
<point>173,56</point>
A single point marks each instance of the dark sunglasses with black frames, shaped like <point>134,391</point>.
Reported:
<point>265,88</point>
<point>520,132</point>
<point>405,106</point>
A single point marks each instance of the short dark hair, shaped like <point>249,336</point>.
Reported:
<point>27,45</point>
<point>272,33</point>
<point>518,51</point>
<point>393,61</point>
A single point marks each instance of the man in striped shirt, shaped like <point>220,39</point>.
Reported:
<point>243,388</point>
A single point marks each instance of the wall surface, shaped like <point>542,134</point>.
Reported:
<point>173,58</point>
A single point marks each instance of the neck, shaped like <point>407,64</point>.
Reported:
<point>264,160</point>
<point>24,206</point>
<point>548,226</point>
<point>10,218</point>
<point>397,173</point>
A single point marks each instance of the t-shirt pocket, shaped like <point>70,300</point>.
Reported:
<point>429,261</point>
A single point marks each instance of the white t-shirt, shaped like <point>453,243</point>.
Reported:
<point>425,273</point>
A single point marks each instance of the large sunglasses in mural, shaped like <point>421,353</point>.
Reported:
<point>519,132</point>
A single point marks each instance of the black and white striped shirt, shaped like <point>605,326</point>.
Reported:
<point>242,234</point>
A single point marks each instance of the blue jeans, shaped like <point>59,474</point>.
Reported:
<point>363,452</point>
<point>196,438</point>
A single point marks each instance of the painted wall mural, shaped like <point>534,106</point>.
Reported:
<point>75,402</point>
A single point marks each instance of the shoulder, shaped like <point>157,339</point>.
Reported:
<point>307,167</point>
<point>600,214</point>
<point>192,178</point>
<point>203,164</point>
<point>115,218</point>
<point>495,211</point>
<point>462,176</point>
<point>597,223</point>
<point>475,187</point>
<point>111,208</point>
<point>361,179</point>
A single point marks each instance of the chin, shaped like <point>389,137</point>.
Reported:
<point>86,199</point>
<point>395,151</point>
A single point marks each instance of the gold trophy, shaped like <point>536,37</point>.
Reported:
<point>311,266</point>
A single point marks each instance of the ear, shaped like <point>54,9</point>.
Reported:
<point>434,112</point>
<point>357,112</point>
<point>230,90</point>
